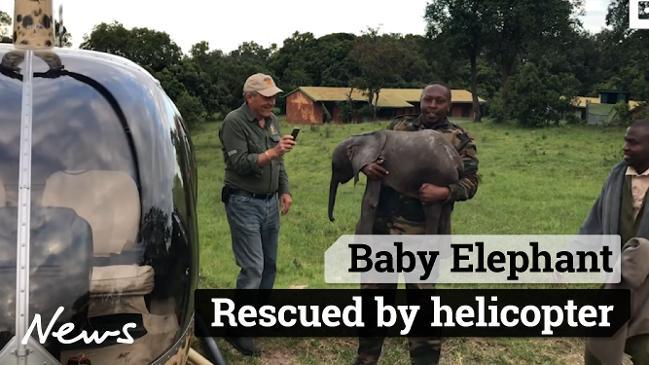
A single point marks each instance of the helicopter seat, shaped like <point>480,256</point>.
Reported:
<point>116,279</point>
<point>119,289</point>
<point>110,202</point>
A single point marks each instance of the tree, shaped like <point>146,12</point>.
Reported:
<point>517,26</point>
<point>377,57</point>
<point>623,54</point>
<point>414,70</point>
<point>295,62</point>
<point>199,52</point>
<point>150,49</point>
<point>464,21</point>
<point>5,23</point>
<point>189,106</point>
<point>304,60</point>
<point>624,65</point>
<point>504,30</point>
<point>61,36</point>
<point>617,17</point>
<point>534,95</point>
<point>332,67</point>
<point>253,53</point>
<point>579,55</point>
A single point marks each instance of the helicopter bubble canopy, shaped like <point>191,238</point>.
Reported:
<point>111,249</point>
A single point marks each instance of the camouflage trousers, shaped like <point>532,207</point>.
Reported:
<point>423,350</point>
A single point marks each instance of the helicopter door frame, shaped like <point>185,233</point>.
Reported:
<point>32,353</point>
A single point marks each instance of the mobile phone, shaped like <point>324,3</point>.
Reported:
<point>295,132</point>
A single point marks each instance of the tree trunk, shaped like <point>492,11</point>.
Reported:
<point>374,104</point>
<point>477,115</point>
<point>506,71</point>
<point>350,105</point>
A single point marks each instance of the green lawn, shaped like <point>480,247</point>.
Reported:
<point>532,181</point>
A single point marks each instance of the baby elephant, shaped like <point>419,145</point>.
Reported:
<point>412,158</point>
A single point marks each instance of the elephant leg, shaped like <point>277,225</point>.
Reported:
<point>444,225</point>
<point>433,213</point>
<point>368,207</point>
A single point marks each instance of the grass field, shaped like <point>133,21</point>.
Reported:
<point>532,181</point>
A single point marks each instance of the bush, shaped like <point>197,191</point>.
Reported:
<point>641,111</point>
<point>366,112</point>
<point>533,96</point>
<point>497,109</point>
<point>622,114</point>
<point>346,111</point>
<point>191,108</point>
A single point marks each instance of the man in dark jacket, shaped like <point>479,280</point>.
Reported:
<point>620,209</point>
<point>400,214</point>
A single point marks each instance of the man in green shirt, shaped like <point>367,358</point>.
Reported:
<point>254,178</point>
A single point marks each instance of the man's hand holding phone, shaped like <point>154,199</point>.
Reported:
<point>286,143</point>
<point>294,133</point>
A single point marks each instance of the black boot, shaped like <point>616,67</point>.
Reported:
<point>245,345</point>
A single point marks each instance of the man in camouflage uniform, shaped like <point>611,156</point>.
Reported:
<point>399,214</point>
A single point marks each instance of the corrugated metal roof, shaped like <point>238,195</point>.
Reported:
<point>392,100</point>
<point>582,101</point>
<point>321,93</point>
<point>411,95</point>
<point>388,98</point>
<point>464,96</point>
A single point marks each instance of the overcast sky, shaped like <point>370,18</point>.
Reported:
<point>225,24</point>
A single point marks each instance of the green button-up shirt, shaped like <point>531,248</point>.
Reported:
<point>242,141</point>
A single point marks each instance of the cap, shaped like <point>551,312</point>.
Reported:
<point>262,84</point>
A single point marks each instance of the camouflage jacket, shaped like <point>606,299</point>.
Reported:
<point>393,204</point>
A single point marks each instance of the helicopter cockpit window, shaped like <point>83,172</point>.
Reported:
<point>87,255</point>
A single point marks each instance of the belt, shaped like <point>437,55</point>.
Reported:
<point>264,196</point>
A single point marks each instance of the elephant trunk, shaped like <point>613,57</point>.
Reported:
<point>341,172</point>
<point>333,189</point>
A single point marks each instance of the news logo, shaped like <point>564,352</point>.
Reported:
<point>639,14</point>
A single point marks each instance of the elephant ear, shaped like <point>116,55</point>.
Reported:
<point>364,149</point>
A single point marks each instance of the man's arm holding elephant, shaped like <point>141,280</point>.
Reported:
<point>374,170</point>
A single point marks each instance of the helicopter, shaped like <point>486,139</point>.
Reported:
<point>98,190</point>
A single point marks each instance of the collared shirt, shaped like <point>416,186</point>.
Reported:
<point>242,141</point>
<point>639,186</point>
